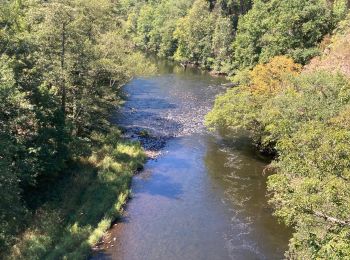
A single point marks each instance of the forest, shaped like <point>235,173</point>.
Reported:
<point>62,66</point>
<point>65,169</point>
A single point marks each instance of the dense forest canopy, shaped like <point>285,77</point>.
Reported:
<point>62,64</point>
<point>230,35</point>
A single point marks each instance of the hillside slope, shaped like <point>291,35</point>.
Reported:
<point>336,56</point>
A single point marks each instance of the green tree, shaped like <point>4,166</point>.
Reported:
<point>223,36</point>
<point>243,107</point>
<point>232,8</point>
<point>340,9</point>
<point>62,64</point>
<point>310,191</point>
<point>309,187</point>
<point>275,27</point>
<point>194,35</point>
<point>13,107</point>
<point>152,25</point>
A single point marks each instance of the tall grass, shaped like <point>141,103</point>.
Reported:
<point>83,205</point>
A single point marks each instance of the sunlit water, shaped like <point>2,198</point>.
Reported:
<point>203,197</point>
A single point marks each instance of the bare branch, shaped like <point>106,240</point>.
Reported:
<point>332,219</point>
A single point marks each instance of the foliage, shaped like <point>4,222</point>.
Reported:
<point>336,51</point>
<point>62,64</point>
<point>317,96</point>
<point>271,28</point>
<point>340,9</point>
<point>232,7</point>
<point>295,114</point>
<point>269,78</point>
<point>152,25</point>
<point>310,190</point>
<point>303,120</point>
<point>309,187</point>
<point>194,34</point>
<point>230,35</point>
<point>12,107</point>
<point>198,31</point>
<point>241,108</point>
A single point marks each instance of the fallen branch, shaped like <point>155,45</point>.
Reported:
<point>230,85</point>
<point>267,169</point>
<point>328,218</point>
<point>332,219</point>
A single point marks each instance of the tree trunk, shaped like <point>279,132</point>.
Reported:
<point>63,83</point>
<point>241,5</point>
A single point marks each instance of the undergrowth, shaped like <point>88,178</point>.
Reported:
<point>83,205</point>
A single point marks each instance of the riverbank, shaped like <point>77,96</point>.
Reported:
<point>83,204</point>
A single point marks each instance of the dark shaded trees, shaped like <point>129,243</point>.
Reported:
<point>62,64</point>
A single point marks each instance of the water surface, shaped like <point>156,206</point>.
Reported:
<point>203,197</point>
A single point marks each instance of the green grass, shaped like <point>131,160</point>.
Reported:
<point>83,205</point>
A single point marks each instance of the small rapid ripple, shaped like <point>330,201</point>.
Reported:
<point>154,114</point>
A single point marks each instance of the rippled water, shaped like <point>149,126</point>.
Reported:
<point>203,197</point>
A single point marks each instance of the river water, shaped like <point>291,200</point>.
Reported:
<point>203,197</point>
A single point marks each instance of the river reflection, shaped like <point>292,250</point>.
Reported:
<point>236,169</point>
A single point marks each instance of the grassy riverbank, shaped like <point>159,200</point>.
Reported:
<point>83,204</point>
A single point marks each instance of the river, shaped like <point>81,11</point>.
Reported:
<point>202,197</point>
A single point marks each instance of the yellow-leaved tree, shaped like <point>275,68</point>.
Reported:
<point>241,107</point>
<point>271,77</point>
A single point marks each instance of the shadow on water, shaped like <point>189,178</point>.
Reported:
<point>238,170</point>
<point>161,185</point>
